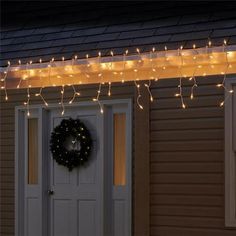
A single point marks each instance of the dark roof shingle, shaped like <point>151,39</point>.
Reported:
<point>44,30</point>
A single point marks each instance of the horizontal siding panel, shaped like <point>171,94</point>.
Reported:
<point>194,189</point>
<point>185,200</point>
<point>187,178</point>
<point>7,200</point>
<point>178,135</point>
<point>7,149</point>
<point>6,163</point>
<point>7,222</point>
<point>7,178</point>
<point>7,171</point>
<point>187,231</point>
<point>7,156</point>
<point>7,230</point>
<point>7,142</point>
<point>208,123</point>
<point>159,210</point>
<point>186,156</point>
<point>187,168</point>
<point>202,112</point>
<point>199,222</point>
<point>187,145</point>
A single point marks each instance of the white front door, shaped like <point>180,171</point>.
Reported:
<point>76,197</point>
<point>90,200</point>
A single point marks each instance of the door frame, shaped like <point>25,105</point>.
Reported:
<point>20,147</point>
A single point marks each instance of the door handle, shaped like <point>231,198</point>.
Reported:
<point>50,192</point>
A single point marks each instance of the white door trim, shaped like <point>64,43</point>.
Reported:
<point>20,113</point>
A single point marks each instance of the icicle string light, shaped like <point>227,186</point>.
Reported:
<point>228,93</point>
<point>149,90</point>
<point>97,98</point>
<point>138,90</point>
<point>124,65</point>
<point>138,63</point>
<point>75,93</point>
<point>27,103</point>
<point>111,67</point>
<point>62,100</point>
<point>39,94</point>
<point>5,80</point>
<point>193,78</point>
<point>99,87</point>
<point>180,94</point>
<point>139,95</point>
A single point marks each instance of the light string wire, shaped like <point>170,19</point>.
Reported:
<point>222,84</point>
<point>18,85</point>
<point>62,93</point>
<point>76,93</point>
<point>162,68</point>
<point>111,67</point>
<point>137,85</point>
<point>4,80</point>
<point>27,103</point>
<point>122,73</point>
<point>147,85</point>
<point>180,94</point>
<point>193,78</point>
<point>50,70</point>
<point>39,94</point>
<point>99,87</point>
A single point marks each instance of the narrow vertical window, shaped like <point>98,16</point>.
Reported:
<point>119,149</point>
<point>33,151</point>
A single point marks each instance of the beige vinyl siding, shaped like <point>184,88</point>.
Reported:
<point>187,161</point>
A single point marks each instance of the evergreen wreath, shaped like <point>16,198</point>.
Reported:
<point>74,132</point>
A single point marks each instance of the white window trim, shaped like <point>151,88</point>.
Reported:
<point>230,155</point>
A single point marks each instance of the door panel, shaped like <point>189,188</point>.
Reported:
<point>76,205</point>
<point>87,217</point>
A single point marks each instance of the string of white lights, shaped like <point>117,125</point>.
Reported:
<point>222,84</point>
<point>180,94</point>
<point>138,89</point>
<point>155,72</point>
<point>193,78</point>
<point>75,93</point>
<point>4,80</point>
<point>99,86</point>
<point>111,68</point>
<point>39,94</point>
<point>122,73</point>
<point>27,103</point>
<point>139,95</point>
<point>62,100</point>
<point>97,98</point>
<point>147,85</point>
<point>149,90</point>
<point>21,77</point>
